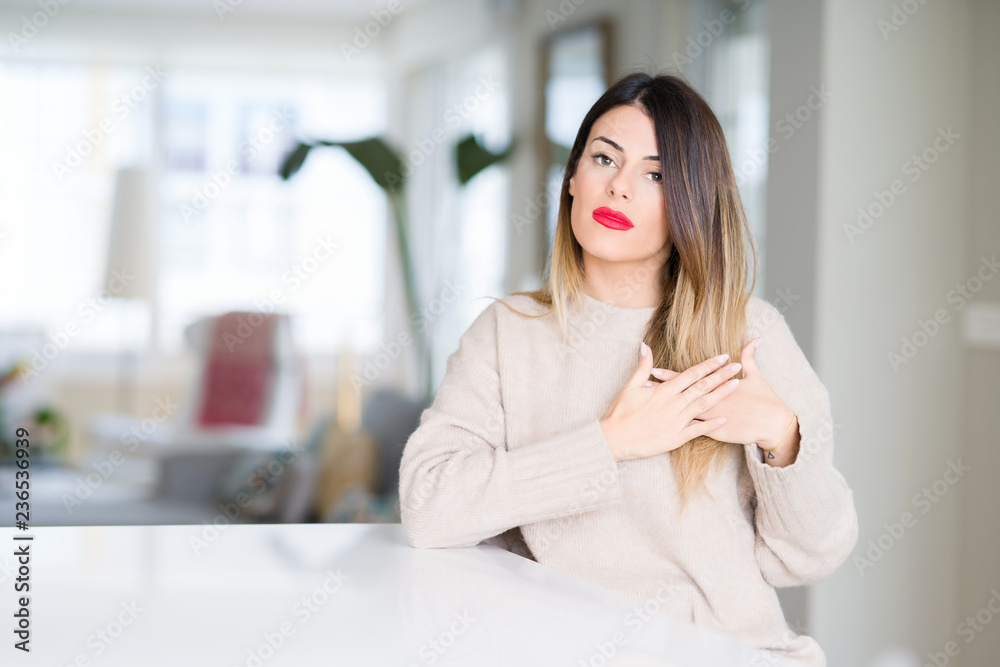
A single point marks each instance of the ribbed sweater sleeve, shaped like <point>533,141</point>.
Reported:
<point>805,518</point>
<point>459,483</point>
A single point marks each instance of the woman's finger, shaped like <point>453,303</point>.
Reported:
<point>664,373</point>
<point>749,359</point>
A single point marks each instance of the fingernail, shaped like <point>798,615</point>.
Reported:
<point>757,344</point>
<point>643,349</point>
<point>722,357</point>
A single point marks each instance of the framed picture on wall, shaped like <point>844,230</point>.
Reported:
<point>575,67</point>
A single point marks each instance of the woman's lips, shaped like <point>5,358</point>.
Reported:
<point>612,219</point>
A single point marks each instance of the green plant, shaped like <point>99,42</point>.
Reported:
<point>385,167</point>
<point>47,426</point>
<point>52,431</point>
<point>471,158</point>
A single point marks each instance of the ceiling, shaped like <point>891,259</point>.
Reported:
<point>332,10</point>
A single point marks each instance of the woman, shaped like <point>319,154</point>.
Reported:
<point>547,435</point>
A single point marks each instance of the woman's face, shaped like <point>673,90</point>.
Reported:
<point>615,179</point>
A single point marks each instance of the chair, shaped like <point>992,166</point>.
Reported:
<point>249,390</point>
<point>251,383</point>
<point>391,418</point>
<point>360,478</point>
<point>246,402</point>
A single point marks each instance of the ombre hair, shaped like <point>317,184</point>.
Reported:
<point>704,278</point>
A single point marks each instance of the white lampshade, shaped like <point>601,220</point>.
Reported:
<point>130,272</point>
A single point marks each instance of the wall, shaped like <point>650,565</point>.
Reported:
<point>898,428</point>
<point>867,283</point>
<point>979,532</point>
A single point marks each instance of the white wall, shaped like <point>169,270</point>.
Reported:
<point>238,41</point>
<point>979,570</point>
<point>898,429</point>
<point>893,85</point>
<point>789,245</point>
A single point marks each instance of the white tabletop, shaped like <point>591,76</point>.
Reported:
<point>323,594</point>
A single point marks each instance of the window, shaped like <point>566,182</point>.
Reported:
<point>459,232</point>
<point>231,234</point>
<point>235,236</point>
<point>64,128</point>
<point>732,72</point>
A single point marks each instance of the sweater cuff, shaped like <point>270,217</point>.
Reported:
<point>800,499</point>
<point>570,473</point>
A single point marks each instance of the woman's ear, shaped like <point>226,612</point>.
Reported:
<point>572,187</point>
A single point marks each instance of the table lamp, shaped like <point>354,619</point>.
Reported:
<point>130,271</point>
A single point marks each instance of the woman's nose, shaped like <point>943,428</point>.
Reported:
<point>617,186</point>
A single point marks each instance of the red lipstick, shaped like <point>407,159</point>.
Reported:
<point>612,219</point>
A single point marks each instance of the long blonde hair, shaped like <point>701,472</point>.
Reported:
<point>704,279</point>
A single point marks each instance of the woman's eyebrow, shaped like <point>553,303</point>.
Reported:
<point>654,158</point>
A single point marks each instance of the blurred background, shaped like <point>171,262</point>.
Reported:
<point>240,238</point>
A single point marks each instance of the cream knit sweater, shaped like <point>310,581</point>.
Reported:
<point>511,453</point>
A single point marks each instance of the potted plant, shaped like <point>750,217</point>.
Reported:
<point>385,166</point>
<point>48,429</point>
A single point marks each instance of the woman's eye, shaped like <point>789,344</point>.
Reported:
<point>600,157</point>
